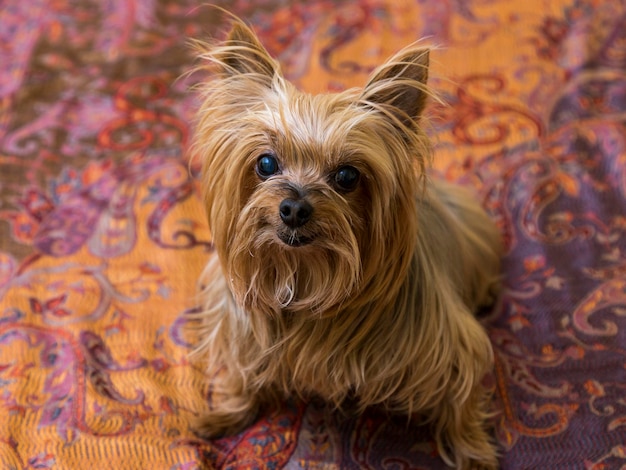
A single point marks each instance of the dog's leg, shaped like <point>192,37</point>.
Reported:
<point>462,418</point>
<point>469,443</point>
<point>456,272</point>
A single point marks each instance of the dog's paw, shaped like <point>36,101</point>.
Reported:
<point>216,425</point>
<point>231,417</point>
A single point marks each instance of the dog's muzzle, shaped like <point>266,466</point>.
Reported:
<point>295,213</point>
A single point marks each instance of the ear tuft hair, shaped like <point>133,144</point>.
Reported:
<point>240,54</point>
<point>398,87</point>
<point>244,54</point>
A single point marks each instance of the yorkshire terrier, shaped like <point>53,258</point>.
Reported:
<point>342,272</point>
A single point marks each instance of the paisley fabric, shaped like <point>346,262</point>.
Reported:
<point>102,232</point>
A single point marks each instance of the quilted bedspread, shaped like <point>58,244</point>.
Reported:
<point>103,236</point>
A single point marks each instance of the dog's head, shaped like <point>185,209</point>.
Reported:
<point>310,198</point>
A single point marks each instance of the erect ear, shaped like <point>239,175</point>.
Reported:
<point>243,53</point>
<point>399,86</point>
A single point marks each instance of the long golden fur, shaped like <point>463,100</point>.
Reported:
<point>372,298</point>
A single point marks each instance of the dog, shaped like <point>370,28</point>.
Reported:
<point>341,271</point>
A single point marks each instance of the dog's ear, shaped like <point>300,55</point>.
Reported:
<point>398,87</point>
<point>243,53</point>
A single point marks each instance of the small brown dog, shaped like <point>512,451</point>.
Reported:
<point>342,271</point>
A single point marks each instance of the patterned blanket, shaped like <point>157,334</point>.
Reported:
<point>102,232</point>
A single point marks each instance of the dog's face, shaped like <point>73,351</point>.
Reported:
<point>310,198</point>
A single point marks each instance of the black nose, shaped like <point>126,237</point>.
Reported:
<point>295,213</point>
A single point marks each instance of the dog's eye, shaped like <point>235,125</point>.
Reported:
<point>346,178</point>
<point>266,166</point>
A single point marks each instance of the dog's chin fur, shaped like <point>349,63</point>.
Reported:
<point>372,299</point>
